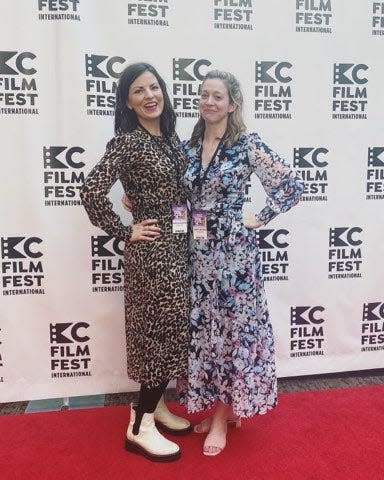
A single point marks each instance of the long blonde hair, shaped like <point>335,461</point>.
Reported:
<point>236,124</point>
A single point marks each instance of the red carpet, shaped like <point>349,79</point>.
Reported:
<point>332,434</point>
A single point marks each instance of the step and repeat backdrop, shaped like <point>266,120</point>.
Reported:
<point>312,76</point>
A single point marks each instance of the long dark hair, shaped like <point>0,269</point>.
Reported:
<point>125,118</point>
<point>236,124</point>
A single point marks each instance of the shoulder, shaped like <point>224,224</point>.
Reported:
<point>175,138</point>
<point>252,138</point>
<point>253,141</point>
<point>188,149</point>
<point>174,141</point>
<point>244,142</point>
<point>124,141</point>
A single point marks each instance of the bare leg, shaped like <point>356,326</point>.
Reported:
<point>204,426</point>
<point>216,438</point>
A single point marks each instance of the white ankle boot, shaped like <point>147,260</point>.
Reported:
<point>149,441</point>
<point>169,422</point>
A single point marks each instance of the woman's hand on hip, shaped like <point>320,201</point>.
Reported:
<point>147,230</point>
<point>250,221</point>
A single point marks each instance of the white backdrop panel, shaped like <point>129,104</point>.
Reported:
<point>61,324</point>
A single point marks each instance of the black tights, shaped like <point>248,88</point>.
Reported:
<point>148,400</point>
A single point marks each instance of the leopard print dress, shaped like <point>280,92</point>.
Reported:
<point>155,273</point>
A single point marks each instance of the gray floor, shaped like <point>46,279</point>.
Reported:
<point>335,380</point>
<point>291,384</point>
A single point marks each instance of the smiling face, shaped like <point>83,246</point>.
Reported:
<point>215,104</point>
<point>145,97</point>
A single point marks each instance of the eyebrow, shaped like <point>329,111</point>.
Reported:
<point>215,92</point>
<point>151,85</point>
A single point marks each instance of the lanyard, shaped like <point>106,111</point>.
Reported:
<point>172,157</point>
<point>201,179</point>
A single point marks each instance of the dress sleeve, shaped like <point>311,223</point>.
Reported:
<point>98,184</point>
<point>281,183</point>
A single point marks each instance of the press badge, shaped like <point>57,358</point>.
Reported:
<point>179,218</point>
<point>199,224</point>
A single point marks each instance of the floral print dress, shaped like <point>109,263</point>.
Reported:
<point>231,353</point>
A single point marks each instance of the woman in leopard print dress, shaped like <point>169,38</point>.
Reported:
<point>145,156</point>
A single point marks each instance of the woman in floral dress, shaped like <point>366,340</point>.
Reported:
<point>231,354</point>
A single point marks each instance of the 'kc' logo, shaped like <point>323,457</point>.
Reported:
<point>56,331</point>
<point>368,311</point>
<point>340,71</point>
<point>8,247</point>
<point>275,238</point>
<point>265,75</point>
<point>93,66</point>
<point>194,66</point>
<point>99,246</point>
<point>50,155</point>
<point>335,235</point>
<point>301,160</point>
<point>5,69</point>
<point>306,315</point>
<point>373,157</point>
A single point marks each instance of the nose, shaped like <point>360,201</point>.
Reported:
<point>209,100</point>
<point>148,93</point>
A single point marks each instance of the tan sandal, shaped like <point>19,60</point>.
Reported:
<point>205,425</point>
<point>214,444</point>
